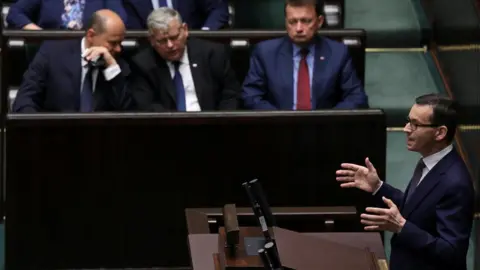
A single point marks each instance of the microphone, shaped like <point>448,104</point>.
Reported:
<point>262,201</point>
<point>257,210</point>
<point>266,261</point>
<point>272,254</point>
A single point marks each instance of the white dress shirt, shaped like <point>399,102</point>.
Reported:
<point>430,162</point>
<point>191,100</point>
<point>109,73</point>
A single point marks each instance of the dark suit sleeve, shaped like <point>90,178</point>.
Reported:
<point>120,97</point>
<point>231,89</point>
<point>142,92</point>
<point>454,223</point>
<point>118,7</point>
<point>255,85</point>
<point>21,12</point>
<point>217,11</point>
<point>389,192</point>
<point>353,95</point>
<point>30,96</point>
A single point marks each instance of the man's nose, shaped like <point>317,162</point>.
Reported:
<point>299,27</point>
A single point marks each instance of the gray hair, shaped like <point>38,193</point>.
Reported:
<point>160,18</point>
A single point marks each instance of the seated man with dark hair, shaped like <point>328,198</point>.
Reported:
<point>302,71</point>
<point>78,75</point>
<point>431,220</point>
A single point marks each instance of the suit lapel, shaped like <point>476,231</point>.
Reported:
<point>73,68</point>
<point>285,69</point>
<point>319,71</point>
<point>196,63</point>
<point>428,183</point>
<point>161,75</point>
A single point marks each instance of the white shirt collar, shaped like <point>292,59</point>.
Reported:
<point>433,159</point>
<point>83,49</point>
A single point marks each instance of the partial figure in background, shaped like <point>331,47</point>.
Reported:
<point>197,14</point>
<point>58,14</point>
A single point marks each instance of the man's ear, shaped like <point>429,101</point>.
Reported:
<point>90,35</point>
<point>185,28</point>
<point>441,133</point>
<point>321,20</point>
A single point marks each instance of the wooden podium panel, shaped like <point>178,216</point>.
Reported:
<point>203,247</point>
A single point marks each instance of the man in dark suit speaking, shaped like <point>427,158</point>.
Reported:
<point>432,219</point>
<point>178,73</point>
<point>63,76</point>
<point>302,71</point>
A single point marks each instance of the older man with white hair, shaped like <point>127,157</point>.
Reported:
<point>178,73</point>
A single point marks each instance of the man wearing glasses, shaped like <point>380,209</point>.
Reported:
<point>432,219</point>
<point>178,73</point>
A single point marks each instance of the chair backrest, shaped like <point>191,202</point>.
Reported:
<point>5,9</point>
<point>269,14</point>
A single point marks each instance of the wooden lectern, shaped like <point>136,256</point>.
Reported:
<point>237,247</point>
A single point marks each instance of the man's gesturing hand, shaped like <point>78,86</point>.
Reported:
<point>364,178</point>
<point>383,219</point>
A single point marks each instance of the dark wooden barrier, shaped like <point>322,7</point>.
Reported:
<point>101,190</point>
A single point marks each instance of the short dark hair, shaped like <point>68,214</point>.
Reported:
<point>445,112</point>
<point>298,3</point>
<point>97,23</point>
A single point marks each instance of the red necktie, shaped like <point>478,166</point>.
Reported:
<point>303,84</point>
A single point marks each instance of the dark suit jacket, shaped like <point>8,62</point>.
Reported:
<point>53,80</point>
<point>439,219</point>
<point>269,82</point>
<point>47,13</point>
<point>215,83</point>
<point>196,13</point>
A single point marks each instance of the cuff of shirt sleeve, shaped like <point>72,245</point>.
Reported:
<point>379,187</point>
<point>111,72</point>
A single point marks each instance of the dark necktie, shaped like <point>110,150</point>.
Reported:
<point>303,84</point>
<point>162,3</point>
<point>417,175</point>
<point>86,96</point>
<point>180,89</point>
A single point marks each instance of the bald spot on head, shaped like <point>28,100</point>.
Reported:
<point>105,20</point>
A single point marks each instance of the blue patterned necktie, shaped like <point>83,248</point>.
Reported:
<point>72,18</point>
<point>180,89</point>
<point>86,96</point>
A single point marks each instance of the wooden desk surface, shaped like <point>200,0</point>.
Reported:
<point>204,246</point>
